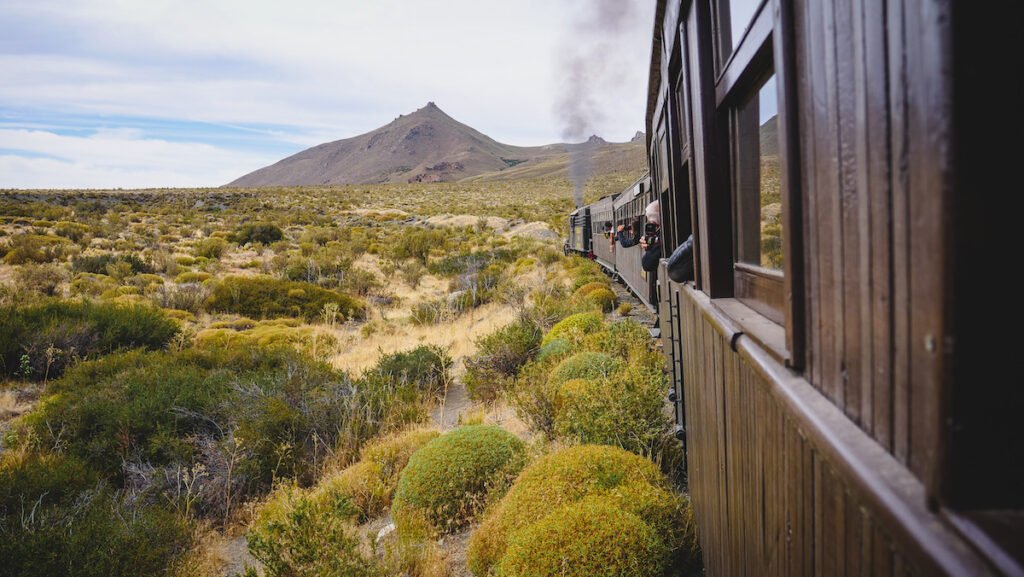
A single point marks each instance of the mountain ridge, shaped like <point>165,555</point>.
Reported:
<point>428,145</point>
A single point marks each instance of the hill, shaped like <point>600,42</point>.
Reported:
<point>430,146</point>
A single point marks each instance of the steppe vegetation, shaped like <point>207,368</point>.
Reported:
<point>230,381</point>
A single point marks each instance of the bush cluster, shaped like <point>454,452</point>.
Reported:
<point>261,233</point>
<point>586,510</point>
<point>47,337</point>
<point>265,297</point>
<point>449,480</point>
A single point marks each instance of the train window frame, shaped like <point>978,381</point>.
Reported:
<point>767,48</point>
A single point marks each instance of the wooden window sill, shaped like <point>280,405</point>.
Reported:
<point>770,335</point>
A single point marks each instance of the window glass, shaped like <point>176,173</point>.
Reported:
<point>756,176</point>
<point>734,16</point>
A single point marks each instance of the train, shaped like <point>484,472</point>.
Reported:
<point>843,404</point>
<point>591,235</point>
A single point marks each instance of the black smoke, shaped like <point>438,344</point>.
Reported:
<point>590,66</point>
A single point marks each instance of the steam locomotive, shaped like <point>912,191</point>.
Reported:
<point>846,406</point>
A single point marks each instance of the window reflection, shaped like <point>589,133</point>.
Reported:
<point>759,228</point>
<point>734,16</point>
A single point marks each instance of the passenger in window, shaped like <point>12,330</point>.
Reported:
<point>630,235</point>
<point>651,239</point>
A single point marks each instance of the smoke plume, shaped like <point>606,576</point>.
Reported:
<point>590,68</point>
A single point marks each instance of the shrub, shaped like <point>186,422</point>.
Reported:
<point>499,357</point>
<point>589,288</point>
<point>296,535</point>
<point>585,365</point>
<point>264,297</point>
<point>576,327</point>
<point>369,484</point>
<point>99,535</point>
<point>427,367</point>
<point>416,244</point>
<point>447,482</point>
<point>192,277</point>
<point>625,409</point>
<point>98,264</point>
<point>602,298</point>
<point>212,248</point>
<point>262,233</point>
<point>592,537</point>
<point>55,333</point>
<point>553,349</point>
<point>624,309</point>
<point>90,284</point>
<point>29,479</point>
<point>44,279</point>
<point>38,248</point>
<point>566,478</point>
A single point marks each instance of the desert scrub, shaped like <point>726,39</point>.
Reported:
<point>295,534</point>
<point>588,288</point>
<point>369,484</point>
<point>624,309</point>
<point>576,327</point>
<point>98,535</point>
<point>426,367</point>
<point>594,537</point>
<point>258,233</point>
<point>212,248</point>
<point>265,297</point>
<point>37,248</point>
<point>604,477</point>
<point>499,357</point>
<point>602,299</point>
<point>100,263</point>
<point>51,335</point>
<point>449,480</point>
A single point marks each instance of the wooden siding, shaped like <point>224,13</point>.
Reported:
<point>872,165</point>
<point>782,482</point>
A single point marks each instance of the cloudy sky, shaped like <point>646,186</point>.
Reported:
<point>180,93</point>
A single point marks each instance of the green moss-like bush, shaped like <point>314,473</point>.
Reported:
<point>91,285</point>
<point>585,365</point>
<point>554,349</point>
<point>566,478</point>
<point>265,297</point>
<point>602,298</point>
<point>295,534</point>
<point>447,482</point>
<point>589,288</point>
<point>369,484</point>
<point>212,248</point>
<point>594,537</point>
<point>191,277</point>
<point>576,327</point>
<point>52,334</point>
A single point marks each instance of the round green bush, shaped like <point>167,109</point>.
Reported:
<point>575,327</point>
<point>553,349</point>
<point>448,480</point>
<point>568,476</point>
<point>602,298</point>
<point>585,365</point>
<point>588,288</point>
<point>594,537</point>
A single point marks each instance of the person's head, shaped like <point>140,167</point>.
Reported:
<point>653,212</point>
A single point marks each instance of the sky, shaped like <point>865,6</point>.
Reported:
<point>195,93</point>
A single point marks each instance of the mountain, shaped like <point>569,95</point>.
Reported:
<point>430,146</point>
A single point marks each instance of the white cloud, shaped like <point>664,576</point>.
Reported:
<point>116,158</point>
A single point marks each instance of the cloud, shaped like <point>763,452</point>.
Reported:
<point>114,158</point>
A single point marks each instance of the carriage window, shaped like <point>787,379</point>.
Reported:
<point>734,17</point>
<point>757,200</point>
<point>756,176</point>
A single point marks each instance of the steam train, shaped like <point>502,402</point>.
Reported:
<point>845,404</point>
<point>591,234</point>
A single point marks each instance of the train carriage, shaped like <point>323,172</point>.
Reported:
<point>602,217</point>
<point>579,232</point>
<point>628,207</point>
<point>831,427</point>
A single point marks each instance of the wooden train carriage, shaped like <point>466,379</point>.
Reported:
<point>579,231</point>
<point>628,206</point>
<point>602,217</point>
<point>832,428</point>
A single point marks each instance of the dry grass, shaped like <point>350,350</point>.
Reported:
<point>10,407</point>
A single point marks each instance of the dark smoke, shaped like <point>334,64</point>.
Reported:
<point>588,71</point>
